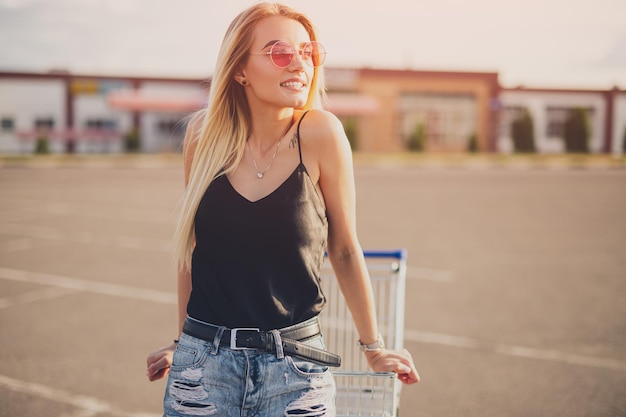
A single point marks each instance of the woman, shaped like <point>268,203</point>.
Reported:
<point>269,188</point>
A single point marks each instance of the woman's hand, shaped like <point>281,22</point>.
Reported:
<point>398,361</point>
<point>159,362</point>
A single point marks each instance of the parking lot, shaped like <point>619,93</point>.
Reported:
<point>515,302</point>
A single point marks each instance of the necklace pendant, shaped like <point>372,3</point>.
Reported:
<point>259,175</point>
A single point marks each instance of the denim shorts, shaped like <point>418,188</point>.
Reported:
<point>208,380</point>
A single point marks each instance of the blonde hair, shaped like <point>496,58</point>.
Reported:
<point>226,121</point>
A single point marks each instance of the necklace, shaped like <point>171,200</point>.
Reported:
<point>261,174</point>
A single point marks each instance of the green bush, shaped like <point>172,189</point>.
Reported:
<point>349,126</point>
<point>132,141</point>
<point>576,132</point>
<point>523,132</point>
<point>42,146</point>
<point>472,143</point>
<point>624,142</point>
<point>416,141</point>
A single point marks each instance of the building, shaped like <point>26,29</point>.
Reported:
<point>382,110</point>
<point>448,109</point>
<point>88,113</point>
<point>549,109</point>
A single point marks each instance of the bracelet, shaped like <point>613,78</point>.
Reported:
<point>370,347</point>
<point>176,341</point>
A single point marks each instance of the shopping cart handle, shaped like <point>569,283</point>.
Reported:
<point>399,254</point>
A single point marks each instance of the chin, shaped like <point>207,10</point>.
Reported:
<point>300,102</point>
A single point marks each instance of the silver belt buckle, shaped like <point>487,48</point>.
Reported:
<point>233,337</point>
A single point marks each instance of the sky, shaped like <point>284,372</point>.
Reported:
<point>534,43</point>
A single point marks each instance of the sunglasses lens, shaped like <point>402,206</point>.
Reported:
<point>282,54</point>
<point>314,54</point>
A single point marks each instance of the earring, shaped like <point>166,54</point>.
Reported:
<point>244,82</point>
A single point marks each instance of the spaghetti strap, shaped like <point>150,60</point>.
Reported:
<point>298,135</point>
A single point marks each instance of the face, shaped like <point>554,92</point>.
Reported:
<point>268,84</point>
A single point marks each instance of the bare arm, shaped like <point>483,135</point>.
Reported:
<point>344,250</point>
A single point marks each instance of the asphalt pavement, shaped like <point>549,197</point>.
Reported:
<point>514,303</point>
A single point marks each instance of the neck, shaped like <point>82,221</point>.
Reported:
<point>267,129</point>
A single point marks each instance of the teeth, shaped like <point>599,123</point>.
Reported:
<point>293,84</point>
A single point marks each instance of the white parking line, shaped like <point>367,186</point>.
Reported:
<point>444,339</point>
<point>556,356</point>
<point>90,210</point>
<point>29,232</point>
<point>512,350</point>
<point>25,243</point>
<point>76,284</point>
<point>441,339</point>
<point>34,296</point>
<point>430,274</point>
<point>89,406</point>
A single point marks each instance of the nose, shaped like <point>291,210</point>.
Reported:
<point>297,61</point>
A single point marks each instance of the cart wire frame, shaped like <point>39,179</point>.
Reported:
<point>361,392</point>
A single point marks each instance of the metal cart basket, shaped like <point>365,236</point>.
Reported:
<point>361,392</point>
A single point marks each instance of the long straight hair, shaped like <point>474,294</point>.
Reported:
<point>226,121</point>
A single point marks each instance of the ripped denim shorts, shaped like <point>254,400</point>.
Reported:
<point>208,380</point>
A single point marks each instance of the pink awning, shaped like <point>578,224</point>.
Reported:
<point>342,104</point>
<point>347,104</point>
<point>138,101</point>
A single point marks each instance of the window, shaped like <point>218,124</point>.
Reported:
<point>171,127</point>
<point>168,125</point>
<point>7,124</point>
<point>508,115</point>
<point>101,124</point>
<point>556,118</point>
<point>447,120</point>
<point>44,123</point>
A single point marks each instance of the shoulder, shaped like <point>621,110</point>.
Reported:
<point>323,130</point>
<point>325,145</point>
<point>321,123</point>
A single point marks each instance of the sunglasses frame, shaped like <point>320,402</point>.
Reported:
<point>322,55</point>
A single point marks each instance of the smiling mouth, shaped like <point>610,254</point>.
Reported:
<point>293,84</point>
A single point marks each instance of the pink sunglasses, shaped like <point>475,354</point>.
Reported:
<point>282,54</point>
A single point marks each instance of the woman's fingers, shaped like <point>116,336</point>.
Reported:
<point>159,362</point>
<point>159,373</point>
<point>158,369</point>
<point>399,362</point>
<point>410,375</point>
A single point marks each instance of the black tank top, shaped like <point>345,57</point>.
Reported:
<point>257,264</point>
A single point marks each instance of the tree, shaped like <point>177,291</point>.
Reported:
<point>417,139</point>
<point>349,126</point>
<point>523,133</point>
<point>576,131</point>
<point>132,142</point>
<point>472,143</point>
<point>42,145</point>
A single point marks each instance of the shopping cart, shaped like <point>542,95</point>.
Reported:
<point>361,392</point>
